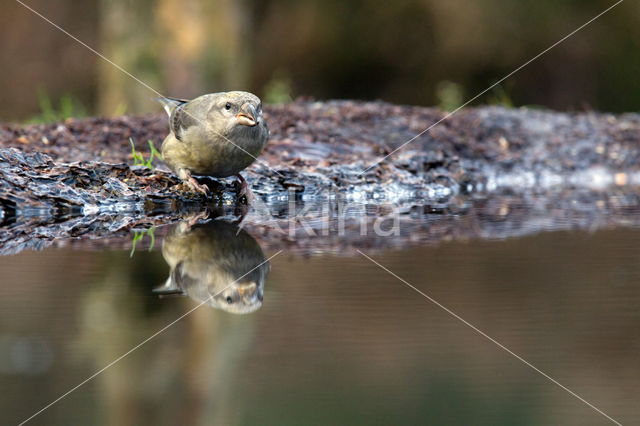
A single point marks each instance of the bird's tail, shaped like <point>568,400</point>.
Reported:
<point>169,104</point>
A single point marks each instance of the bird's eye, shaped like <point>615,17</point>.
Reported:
<point>227,106</point>
<point>229,299</point>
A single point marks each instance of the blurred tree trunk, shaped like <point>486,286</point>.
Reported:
<point>180,48</point>
<point>126,38</point>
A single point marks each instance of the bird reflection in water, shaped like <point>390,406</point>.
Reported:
<point>217,263</point>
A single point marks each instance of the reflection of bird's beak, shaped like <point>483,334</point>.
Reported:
<point>246,289</point>
<point>247,116</point>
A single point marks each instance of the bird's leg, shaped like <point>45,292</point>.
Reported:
<point>185,175</point>
<point>240,211</point>
<point>245,189</point>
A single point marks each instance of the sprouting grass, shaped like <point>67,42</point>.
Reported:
<point>121,109</point>
<point>278,90</point>
<point>139,158</point>
<point>450,95</point>
<point>139,235</point>
<point>501,97</point>
<point>67,107</point>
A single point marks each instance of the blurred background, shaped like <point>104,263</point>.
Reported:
<point>337,340</point>
<point>424,52</point>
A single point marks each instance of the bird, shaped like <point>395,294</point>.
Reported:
<point>217,264</point>
<point>217,135</point>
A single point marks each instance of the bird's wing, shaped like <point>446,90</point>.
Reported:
<point>181,119</point>
<point>179,116</point>
<point>169,104</point>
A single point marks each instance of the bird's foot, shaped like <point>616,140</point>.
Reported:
<point>198,187</point>
<point>185,176</point>
<point>245,191</point>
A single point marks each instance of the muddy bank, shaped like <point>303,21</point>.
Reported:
<point>305,134</point>
<point>316,144</point>
<point>74,179</point>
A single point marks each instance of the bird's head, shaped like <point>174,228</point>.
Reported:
<point>238,110</point>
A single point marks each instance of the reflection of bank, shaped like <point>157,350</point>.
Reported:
<point>217,263</point>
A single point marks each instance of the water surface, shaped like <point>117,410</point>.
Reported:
<point>335,340</point>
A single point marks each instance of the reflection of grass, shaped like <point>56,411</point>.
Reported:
<point>139,235</point>
<point>68,107</point>
<point>138,157</point>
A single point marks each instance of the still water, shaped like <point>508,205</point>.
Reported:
<point>324,339</point>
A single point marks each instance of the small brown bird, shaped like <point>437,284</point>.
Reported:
<point>218,135</point>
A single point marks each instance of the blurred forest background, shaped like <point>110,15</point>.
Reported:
<point>424,52</point>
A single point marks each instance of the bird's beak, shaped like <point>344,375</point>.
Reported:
<point>247,116</point>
